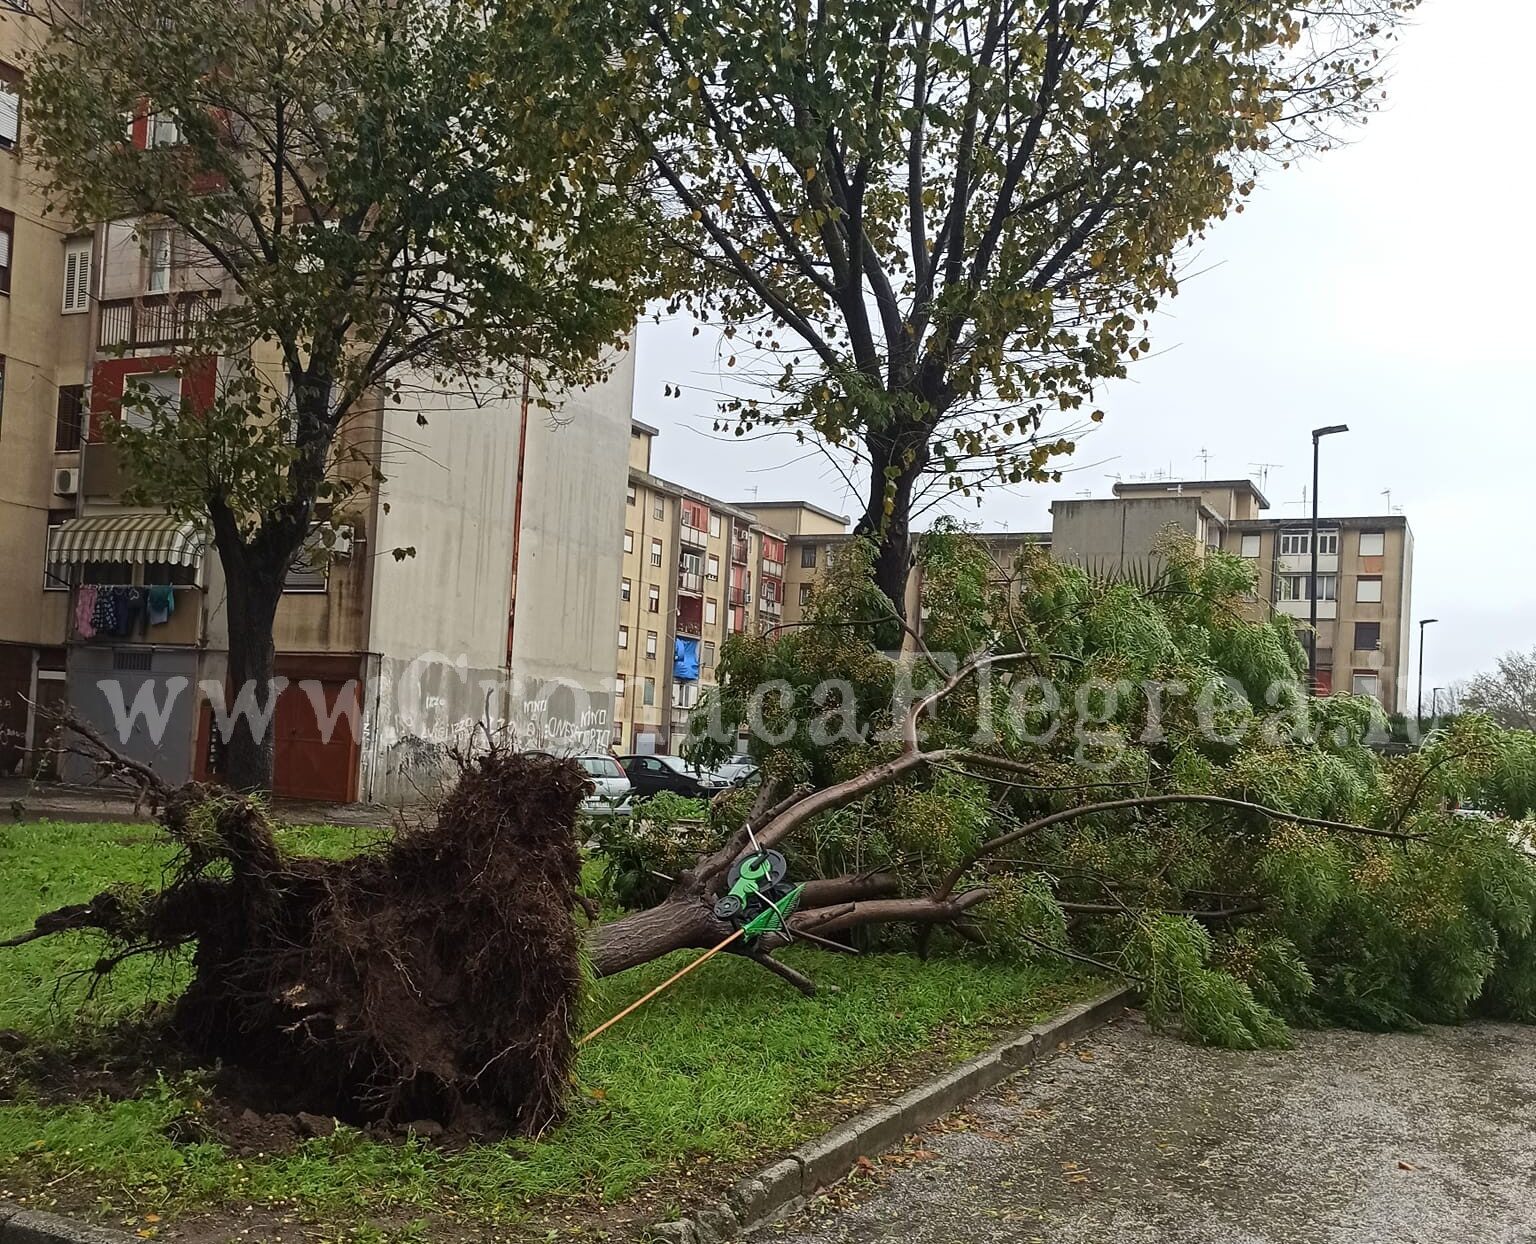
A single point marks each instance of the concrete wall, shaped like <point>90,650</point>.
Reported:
<point>148,715</point>
<point>566,604</point>
<point>1118,537</point>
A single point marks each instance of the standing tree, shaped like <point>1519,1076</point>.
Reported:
<point>1507,693</point>
<point>388,193</point>
<point>931,227</point>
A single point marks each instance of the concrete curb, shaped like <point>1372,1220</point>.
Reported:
<point>818,1163</point>
<point>30,1226</point>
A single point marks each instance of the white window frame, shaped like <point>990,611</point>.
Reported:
<point>712,567</point>
<point>77,276</point>
<point>653,599</point>
<point>1251,545</point>
<point>658,506</point>
<point>1368,590</point>
<point>162,130</point>
<point>10,115</point>
<point>652,643</point>
<point>626,589</point>
<point>1291,587</point>
<point>135,418</point>
<point>1327,543</point>
<point>1373,544</point>
<point>1327,586</point>
<point>618,686</point>
<point>629,496</point>
<point>714,525</point>
<point>623,637</point>
<point>1371,681</point>
<point>711,612</point>
<point>629,542</point>
<point>159,259</point>
<point>648,693</point>
<point>655,551</point>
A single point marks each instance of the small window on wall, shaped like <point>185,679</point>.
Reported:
<point>157,278</point>
<point>311,569</point>
<point>1368,589</point>
<point>808,557</point>
<point>68,426</point>
<point>805,593</point>
<point>618,686</point>
<point>625,589</point>
<point>707,659</point>
<point>1327,543</point>
<point>1367,636</point>
<point>714,526</point>
<point>77,276</point>
<point>655,552</point>
<point>653,599</point>
<point>145,393</point>
<point>650,645</point>
<point>712,567</point>
<point>648,692</point>
<point>711,612</point>
<point>1366,682</point>
<point>10,106</point>
<point>623,637</point>
<point>629,542</point>
<point>659,507</point>
<point>629,496</point>
<point>1373,543</point>
<point>1251,546</point>
<point>7,236</point>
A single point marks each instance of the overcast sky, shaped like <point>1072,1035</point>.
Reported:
<point>1387,285</point>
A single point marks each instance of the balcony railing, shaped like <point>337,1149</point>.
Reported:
<point>689,626</point>
<point>739,551</point>
<point>690,581</point>
<point>738,596</point>
<point>773,568</point>
<point>154,320</point>
<point>773,608</point>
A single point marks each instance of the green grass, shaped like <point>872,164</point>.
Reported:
<point>727,1066</point>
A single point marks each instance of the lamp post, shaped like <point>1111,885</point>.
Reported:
<point>1317,438</point>
<point>1423,622</point>
<point>1434,703</point>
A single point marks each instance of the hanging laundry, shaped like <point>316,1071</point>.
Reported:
<point>104,616</point>
<point>85,611</point>
<point>130,611</point>
<point>162,603</point>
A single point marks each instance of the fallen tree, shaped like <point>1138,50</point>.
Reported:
<point>1239,875</point>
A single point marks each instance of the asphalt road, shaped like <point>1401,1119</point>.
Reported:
<point>1131,1138</point>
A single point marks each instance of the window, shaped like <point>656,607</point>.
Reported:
<point>311,567</point>
<point>714,526</point>
<point>712,567</point>
<point>56,577</point>
<point>655,552</point>
<point>1251,546</point>
<point>623,637</point>
<point>629,542</point>
<point>10,106</point>
<point>1327,587</point>
<point>707,659</point>
<point>1373,543</point>
<point>68,430</point>
<point>77,276</point>
<point>7,234</point>
<point>1294,542</point>
<point>650,645</point>
<point>148,392</point>
<point>1366,682</point>
<point>1368,589</point>
<point>648,694</point>
<point>1367,636</point>
<point>711,612</point>
<point>1327,543</point>
<point>629,495</point>
<point>653,599</point>
<point>157,278</point>
<point>618,686</point>
<point>808,557</point>
<point>659,507</point>
<point>805,593</point>
<point>163,131</point>
<point>1292,587</point>
<point>625,588</point>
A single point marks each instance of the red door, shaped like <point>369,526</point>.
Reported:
<point>316,756</point>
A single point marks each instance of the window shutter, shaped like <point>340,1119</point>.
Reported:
<point>5,245</point>
<point>10,116</point>
<point>77,276</point>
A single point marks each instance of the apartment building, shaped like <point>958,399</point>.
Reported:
<point>696,570</point>
<point>1364,568</point>
<point>498,619</point>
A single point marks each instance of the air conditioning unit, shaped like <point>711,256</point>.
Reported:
<point>336,540</point>
<point>66,481</point>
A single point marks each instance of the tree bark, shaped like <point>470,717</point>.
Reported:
<point>253,593</point>
<point>895,463</point>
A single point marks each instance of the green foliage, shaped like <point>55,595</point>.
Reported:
<point>640,854</point>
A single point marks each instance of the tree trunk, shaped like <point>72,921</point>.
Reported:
<point>677,924</point>
<point>253,594</point>
<point>897,468</point>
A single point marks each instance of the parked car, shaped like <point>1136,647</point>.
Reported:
<point>650,775</point>
<point>614,795</point>
<point>737,771</point>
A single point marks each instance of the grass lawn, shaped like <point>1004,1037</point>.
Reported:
<point>727,1067</point>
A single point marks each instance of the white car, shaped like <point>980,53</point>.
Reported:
<point>614,795</point>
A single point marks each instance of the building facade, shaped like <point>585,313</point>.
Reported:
<point>473,589</point>
<point>695,571</point>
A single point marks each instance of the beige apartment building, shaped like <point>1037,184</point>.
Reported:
<point>696,570</point>
<point>501,619</point>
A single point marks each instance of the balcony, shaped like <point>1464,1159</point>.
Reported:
<point>739,596</point>
<point>771,608</point>
<point>774,569</point>
<point>740,551</point>
<point>689,626</point>
<point>690,581</point>
<point>155,321</point>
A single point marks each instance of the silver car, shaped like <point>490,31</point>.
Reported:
<point>614,796</point>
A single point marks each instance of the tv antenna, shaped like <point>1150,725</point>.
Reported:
<point>1205,462</point>
<point>1262,470</point>
<point>1391,509</point>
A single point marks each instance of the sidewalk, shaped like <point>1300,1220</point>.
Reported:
<point>22,800</point>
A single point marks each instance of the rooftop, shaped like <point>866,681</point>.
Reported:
<point>1189,486</point>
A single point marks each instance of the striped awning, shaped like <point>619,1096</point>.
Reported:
<point>126,538</point>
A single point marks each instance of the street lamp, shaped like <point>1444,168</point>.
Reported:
<point>1317,437</point>
<point>1423,622</point>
